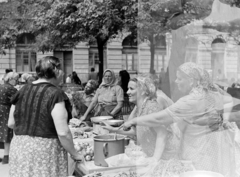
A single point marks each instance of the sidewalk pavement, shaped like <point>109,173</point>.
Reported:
<point>4,169</point>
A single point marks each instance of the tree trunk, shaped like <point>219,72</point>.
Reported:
<point>100,44</point>
<point>177,57</point>
<point>152,50</point>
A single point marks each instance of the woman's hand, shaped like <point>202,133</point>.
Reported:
<point>78,157</point>
<point>82,118</point>
<point>74,122</point>
<point>107,126</point>
<point>127,125</point>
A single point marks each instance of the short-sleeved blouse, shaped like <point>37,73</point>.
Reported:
<point>33,106</point>
<point>110,95</point>
<point>6,92</point>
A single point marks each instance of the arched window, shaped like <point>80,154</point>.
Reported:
<point>217,59</point>
<point>26,57</point>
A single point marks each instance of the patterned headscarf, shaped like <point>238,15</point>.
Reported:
<point>148,86</point>
<point>25,76</point>
<point>198,73</point>
<point>114,80</point>
<point>10,76</point>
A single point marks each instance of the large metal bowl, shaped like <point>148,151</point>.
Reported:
<point>201,174</point>
<point>99,119</point>
<point>114,123</point>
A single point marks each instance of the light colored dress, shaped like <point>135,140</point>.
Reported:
<point>146,137</point>
<point>208,150</point>
<point>47,154</point>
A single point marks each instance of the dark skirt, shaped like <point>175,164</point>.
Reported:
<point>6,133</point>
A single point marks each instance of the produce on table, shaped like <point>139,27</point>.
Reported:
<point>120,174</point>
<point>86,149</point>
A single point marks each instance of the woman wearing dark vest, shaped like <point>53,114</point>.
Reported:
<point>39,116</point>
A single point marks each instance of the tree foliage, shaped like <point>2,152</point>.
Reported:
<point>156,18</point>
<point>67,22</point>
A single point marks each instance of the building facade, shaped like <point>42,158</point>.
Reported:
<point>121,53</point>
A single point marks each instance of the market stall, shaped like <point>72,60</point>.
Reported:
<point>103,153</point>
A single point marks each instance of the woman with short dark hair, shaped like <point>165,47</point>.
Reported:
<point>39,116</point>
<point>75,79</point>
<point>124,78</point>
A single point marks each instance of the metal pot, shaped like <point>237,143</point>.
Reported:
<point>106,146</point>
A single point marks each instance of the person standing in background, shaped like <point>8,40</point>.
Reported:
<point>68,79</point>
<point>124,78</point>
<point>161,77</point>
<point>6,72</point>
<point>75,79</point>
<point>93,75</point>
<point>7,90</point>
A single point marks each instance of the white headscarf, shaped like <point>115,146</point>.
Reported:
<point>10,76</point>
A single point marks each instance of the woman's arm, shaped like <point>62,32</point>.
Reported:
<point>60,117</point>
<point>120,99</point>
<point>90,107</point>
<point>117,108</point>
<point>130,132</point>
<point>160,142</point>
<point>151,120</point>
<point>234,117</point>
<point>11,121</point>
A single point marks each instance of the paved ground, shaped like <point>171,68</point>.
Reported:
<point>3,168</point>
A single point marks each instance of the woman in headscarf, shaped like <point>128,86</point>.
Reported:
<point>206,143</point>
<point>27,78</point>
<point>142,92</point>
<point>7,90</point>
<point>108,98</point>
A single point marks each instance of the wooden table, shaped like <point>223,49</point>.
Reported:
<point>89,166</point>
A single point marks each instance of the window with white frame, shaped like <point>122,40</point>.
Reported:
<point>25,61</point>
<point>25,57</point>
<point>129,54</point>
<point>130,61</point>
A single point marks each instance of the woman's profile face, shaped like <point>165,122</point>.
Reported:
<point>108,77</point>
<point>132,92</point>
<point>183,82</point>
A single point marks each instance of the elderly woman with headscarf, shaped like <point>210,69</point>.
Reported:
<point>7,90</point>
<point>108,97</point>
<point>27,78</point>
<point>207,146</point>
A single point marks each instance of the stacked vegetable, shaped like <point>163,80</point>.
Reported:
<point>86,149</point>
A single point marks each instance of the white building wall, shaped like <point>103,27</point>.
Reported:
<point>81,61</point>
<point>114,56</point>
